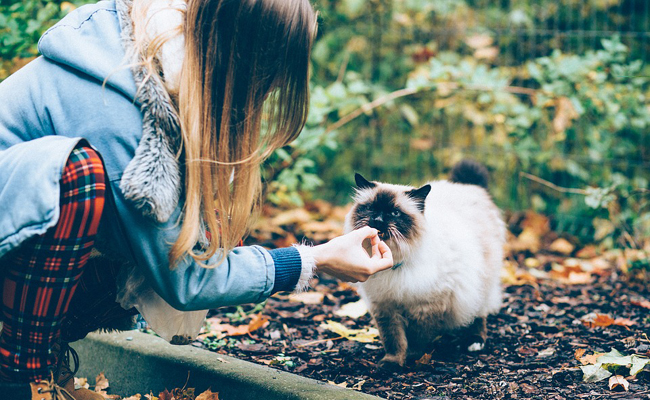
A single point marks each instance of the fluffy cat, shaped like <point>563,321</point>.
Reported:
<point>447,241</point>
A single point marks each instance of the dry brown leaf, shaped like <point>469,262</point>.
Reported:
<point>590,359</point>
<point>565,113</point>
<point>626,322</point>
<point>220,331</point>
<point>579,353</point>
<point>258,322</point>
<point>537,223</point>
<point>562,246</point>
<point>424,360</point>
<point>597,320</point>
<point>357,386</point>
<point>134,397</point>
<point>618,382</point>
<point>479,41</point>
<point>511,275</point>
<point>589,251</point>
<point>208,395</point>
<point>579,278</point>
<point>528,240</point>
<point>165,395</point>
<point>81,383</point>
<point>353,310</point>
<point>641,303</point>
<point>307,297</point>
<point>528,388</point>
<point>101,383</point>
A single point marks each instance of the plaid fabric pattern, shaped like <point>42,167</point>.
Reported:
<point>40,276</point>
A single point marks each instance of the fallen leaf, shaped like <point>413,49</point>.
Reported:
<point>606,363</point>
<point>594,373</point>
<point>479,41</point>
<point>511,275</point>
<point>134,397</point>
<point>590,359</point>
<point>353,310</point>
<point>101,383</point>
<point>367,335</point>
<point>343,384</point>
<point>424,360</point>
<point>617,382</point>
<point>165,395</point>
<point>257,322</point>
<point>307,297</point>
<point>528,388</point>
<point>220,331</point>
<point>81,383</point>
<point>594,320</point>
<point>641,303</point>
<point>579,353</point>
<point>562,246</point>
<point>626,322</point>
<point>208,395</point>
<point>546,352</point>
<point>565,113</point>
<point>357,386</point>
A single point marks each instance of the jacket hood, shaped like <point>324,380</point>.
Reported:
<point>89,40</point>
<point>97,40</point>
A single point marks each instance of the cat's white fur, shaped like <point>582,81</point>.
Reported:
<point>450,273</point>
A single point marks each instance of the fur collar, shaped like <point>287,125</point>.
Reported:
<point>152,179</point>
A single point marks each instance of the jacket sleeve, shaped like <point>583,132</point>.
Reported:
<point>248,274</point>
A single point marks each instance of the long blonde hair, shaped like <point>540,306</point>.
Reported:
<point>246,68</point>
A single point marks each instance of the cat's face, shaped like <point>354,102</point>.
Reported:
<point>395,211</point>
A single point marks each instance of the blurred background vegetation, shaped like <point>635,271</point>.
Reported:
<point>551,95</point>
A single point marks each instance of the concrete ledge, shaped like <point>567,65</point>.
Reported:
<point>135,362</point>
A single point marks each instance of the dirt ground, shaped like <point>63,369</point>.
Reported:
<point>530,353</point>
<point>564,303</point>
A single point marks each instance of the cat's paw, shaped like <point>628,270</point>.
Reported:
<point>391,363</point>
<point>476,346</point>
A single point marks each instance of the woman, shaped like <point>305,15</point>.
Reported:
<point>137,123</point>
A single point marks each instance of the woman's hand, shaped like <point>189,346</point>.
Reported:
<point>345,258</point>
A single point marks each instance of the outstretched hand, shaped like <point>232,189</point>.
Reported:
<point>345,258</point>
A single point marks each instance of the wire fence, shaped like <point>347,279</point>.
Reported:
<point>573,27</point>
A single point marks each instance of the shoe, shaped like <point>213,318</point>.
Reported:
<point>42,390</point>
<point>64,375</point>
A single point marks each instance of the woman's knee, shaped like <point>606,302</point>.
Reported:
<point>83,189</point>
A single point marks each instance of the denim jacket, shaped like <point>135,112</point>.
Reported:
<point>80,89</point>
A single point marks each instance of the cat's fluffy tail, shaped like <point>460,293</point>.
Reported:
<point>470,172</point>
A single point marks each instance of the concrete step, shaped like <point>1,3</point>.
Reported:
<point>135,362</point>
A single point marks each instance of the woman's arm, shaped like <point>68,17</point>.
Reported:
<point>248,274</point>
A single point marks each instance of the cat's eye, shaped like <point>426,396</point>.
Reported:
<point>396,213</point>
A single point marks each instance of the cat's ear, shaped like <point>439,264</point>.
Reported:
<point>363,183</point>
<point>419,195</point>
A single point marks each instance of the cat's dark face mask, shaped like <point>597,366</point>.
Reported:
<point>384,213</point>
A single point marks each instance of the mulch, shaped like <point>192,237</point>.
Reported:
<point>532,351</point>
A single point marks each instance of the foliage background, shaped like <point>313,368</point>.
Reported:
<point>551,95</point>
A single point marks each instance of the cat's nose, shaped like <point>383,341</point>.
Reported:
<point>378,218</point>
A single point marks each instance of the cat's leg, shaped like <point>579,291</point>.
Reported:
<point>476,334</point>
<point>392,330</point>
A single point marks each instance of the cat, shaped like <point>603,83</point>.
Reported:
<point>447,242</point>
